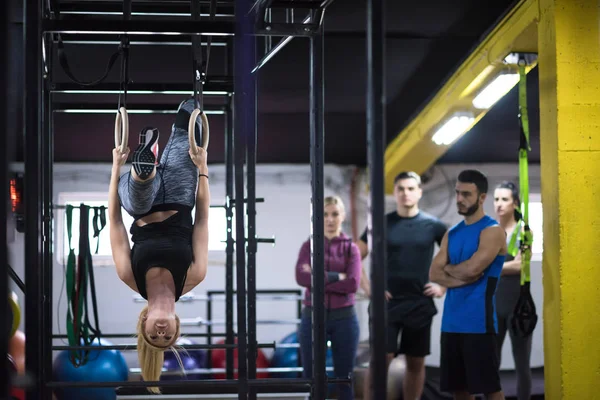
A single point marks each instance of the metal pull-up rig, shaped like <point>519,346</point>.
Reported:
<point>236,24</point>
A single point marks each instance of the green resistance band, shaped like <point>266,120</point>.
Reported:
<point>524,147</point>
<point>76,280</point>
<point>524,317</point>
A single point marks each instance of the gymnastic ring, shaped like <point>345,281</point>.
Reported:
<point>121,129</point>
<point>15,310</point>
<point>192,130</point>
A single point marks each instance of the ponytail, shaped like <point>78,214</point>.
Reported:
<point>151,358</point>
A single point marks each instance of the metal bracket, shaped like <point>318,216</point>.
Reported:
<point>268,25</point>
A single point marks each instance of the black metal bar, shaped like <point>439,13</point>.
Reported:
<point>130,335</point>
<point>34,318</point>
<point>375,152</point>
<point>47,179</point>
<point>133,347</point>
<point>229,204</point>
<point>8,97</point>
<point>138,27</point>
<point>141,8</point>
<point>257,200</point>
<point>263,291</point>
<point>14,276</point>
<point>299,384</point>
<point>297,4</point>
<point>151,28</point>
<point>283,29</point>
<point>251,211</point>
<point>271,53</point>
<point>243,83</point>
<point>265,240</point>
<point>138,40</point>
<point>317,140</point>
<point>215,86</point>
<point>209,338</point>
<point>101,108</point>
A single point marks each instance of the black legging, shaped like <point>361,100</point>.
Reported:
<point>507,296</point>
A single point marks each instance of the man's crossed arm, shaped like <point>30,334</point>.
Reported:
<point>492,242</point>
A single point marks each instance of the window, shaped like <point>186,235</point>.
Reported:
<point>536,219</point>
<point>217,227</point>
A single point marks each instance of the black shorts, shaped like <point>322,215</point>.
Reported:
<point>409,341</point>
<point>469,363</point>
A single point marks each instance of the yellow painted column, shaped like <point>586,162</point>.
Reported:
<point>569,70</point>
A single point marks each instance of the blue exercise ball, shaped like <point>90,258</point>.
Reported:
<point>191,359</point>
<point>101,366</point>
<point>289,357</point>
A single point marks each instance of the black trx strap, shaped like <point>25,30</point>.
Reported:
<point>62,55</point>
<point>124,47</point>
<point>200,62</point>
<point>524,317</point>
<point>99,224</point>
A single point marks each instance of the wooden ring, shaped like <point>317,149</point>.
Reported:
<point>15,310</point>
<point>192,130</point>
<point>121,129</point>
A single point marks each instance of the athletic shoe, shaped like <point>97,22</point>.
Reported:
<point>146,154</point>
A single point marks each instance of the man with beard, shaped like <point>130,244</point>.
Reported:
<point>469,264</point>
<point>411,238</point>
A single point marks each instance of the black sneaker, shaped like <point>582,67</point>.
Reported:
<point>146,154</point>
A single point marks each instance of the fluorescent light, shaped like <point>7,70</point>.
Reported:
<point>495,90</point>
<point>452,129</point>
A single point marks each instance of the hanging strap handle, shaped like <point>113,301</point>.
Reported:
<point>99,224</point>
<point>524,148</point>
<point>524,317</point>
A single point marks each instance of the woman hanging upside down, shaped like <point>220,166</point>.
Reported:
<point>170,252</point>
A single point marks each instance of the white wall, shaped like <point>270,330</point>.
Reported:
<point>285,214</point>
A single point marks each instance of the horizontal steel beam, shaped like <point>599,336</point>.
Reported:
<point>140,27</point>
<point>297,4</point>
<point>130,335</point>
<point>288,29</point>
<point>137,40</point>
<point>299,384</point>
<point>170,28</point>
<point>95,108</point>
<point>218,86</point>
<point>133,347</point>
<point>141,8</point>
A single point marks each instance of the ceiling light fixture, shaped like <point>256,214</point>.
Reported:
<point>495,90</point>
<point>453,128</point>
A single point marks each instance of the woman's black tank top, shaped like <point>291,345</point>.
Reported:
<point>165,244</point>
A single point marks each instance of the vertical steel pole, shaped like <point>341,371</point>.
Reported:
<point>244,111</point>
<point>229,252</point>
<point>7,98</point>
<point>250,93</point>
<point>317,140</point>
<point>375,150</point>
<point>34,205</point>
<point>47,178</point>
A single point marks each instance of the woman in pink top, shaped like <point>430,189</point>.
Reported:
<point>342,271</point>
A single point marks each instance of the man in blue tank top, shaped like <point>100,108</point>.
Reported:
<point>469,264</point>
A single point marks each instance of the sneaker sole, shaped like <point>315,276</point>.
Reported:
<point>144,159</point>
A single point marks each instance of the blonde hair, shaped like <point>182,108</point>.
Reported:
<point>151,357</point>
<point>335,200</point>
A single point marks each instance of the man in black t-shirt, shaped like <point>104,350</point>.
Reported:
<point>411,238</point>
